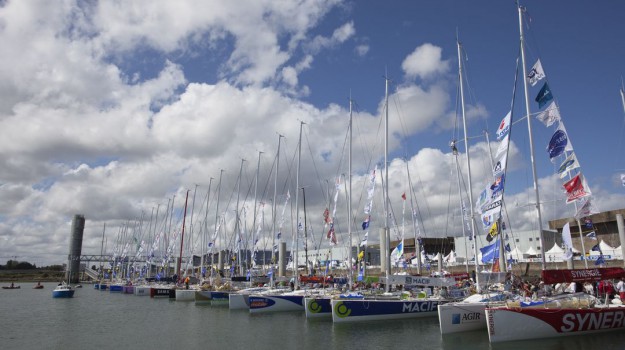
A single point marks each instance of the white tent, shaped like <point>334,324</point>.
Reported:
<point>555,253</point>
<point>516,254</point>
<point>531,252</point>
<point>451,257</point>
<point>606,249</point>
<point>618,252</point>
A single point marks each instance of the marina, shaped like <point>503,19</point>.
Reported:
<point>94,319</point>
<point>355,230</point>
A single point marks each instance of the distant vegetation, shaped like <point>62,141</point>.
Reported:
<point>24,265</point>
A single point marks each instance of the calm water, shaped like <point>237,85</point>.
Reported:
<point>31,319</point>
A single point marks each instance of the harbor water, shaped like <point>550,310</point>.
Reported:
<point>93,319</point>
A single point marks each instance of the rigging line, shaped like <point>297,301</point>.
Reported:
<point>471,91</point>
<point>313,160</point>
<point>620,142</point>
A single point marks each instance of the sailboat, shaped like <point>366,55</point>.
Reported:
<point>388,305</point>
<point>289,301</point>
<point>469,314</point>
<point>566,315</point>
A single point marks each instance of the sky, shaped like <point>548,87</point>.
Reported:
<point>116,109</point>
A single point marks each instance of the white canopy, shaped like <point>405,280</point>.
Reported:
<point>516,253</point>
<point>555,250</point>
<point>531,251</point>
<point>451,257</point>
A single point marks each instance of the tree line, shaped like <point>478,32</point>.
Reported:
<point>24,265</point>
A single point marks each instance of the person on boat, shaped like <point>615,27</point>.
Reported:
<point>620,288</point>
<point>12,285</point>
<point>186,282</point>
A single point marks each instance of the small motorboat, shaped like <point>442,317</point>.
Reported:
<point>63,291</point>
<point>12,286</point>
<point>38,286</point>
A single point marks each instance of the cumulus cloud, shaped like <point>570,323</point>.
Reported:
<point>87,129</point>
<point>424,62</point>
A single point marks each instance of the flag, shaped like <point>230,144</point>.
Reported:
<point>568,243</point>
<point>365,239</point>
<point>279,235</point>
<point>403,196</point>
<point>587,209</point>
<point>326,216</point>
<point>588,223</point>
<point>576,188</point>
<point>544,96</point>
<point>592,235</point>
<point>504,126</point>
<point>600,260</point>
<point>397,253</point>
<point>365,223</point>
<point>361,255</point>
<point>361,274</point>
<point>596,248</point>
<point>490,252</point>
<point>330,231</point>
<point>536,73</point>
<point>550,115</point>
<point>557,144</point>
<point>623,179</point>
<point>492,232</point>
<point>569,146</point>
<point>503,146</point>
<point>508,248</point>
<point>497,186</point>
<point>569,164</point>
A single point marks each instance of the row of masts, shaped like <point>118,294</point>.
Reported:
<point>386,229</point>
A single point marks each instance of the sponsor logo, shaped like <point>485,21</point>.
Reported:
<point>578,322</point>
<point>420,306</point>
<point>455,319</point>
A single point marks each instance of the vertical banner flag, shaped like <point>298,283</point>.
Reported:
<point>569,164</point>
<point>623,179</point>
<point>550,115</point>
<point>536,73</point>
<point>504,126</point>
<point>587,209</point>
<point>576,188</point>
<point>544,96</point>
<point>557,144</point>
<point>568,243</point>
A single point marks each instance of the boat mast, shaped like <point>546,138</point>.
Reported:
<point>529,130</point>
<point>184,217</point>
<point>221,172</point>
<point>205,236</point>
<point>237,227</point>
<point>349,201</point>
<point>102,250</point>
<point>466,147</point>
<point>255,203</point>
<point>299,159</point>
<point>387,235</point>
<point>273,224</point>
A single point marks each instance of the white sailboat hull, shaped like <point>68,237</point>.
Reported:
<point>185,294</point>
<point>276,303</point>
<point>238,301</point>
<point>142,290</point>
<point>318,307</point>
<point>506,324</point>
<point>461,317</point>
